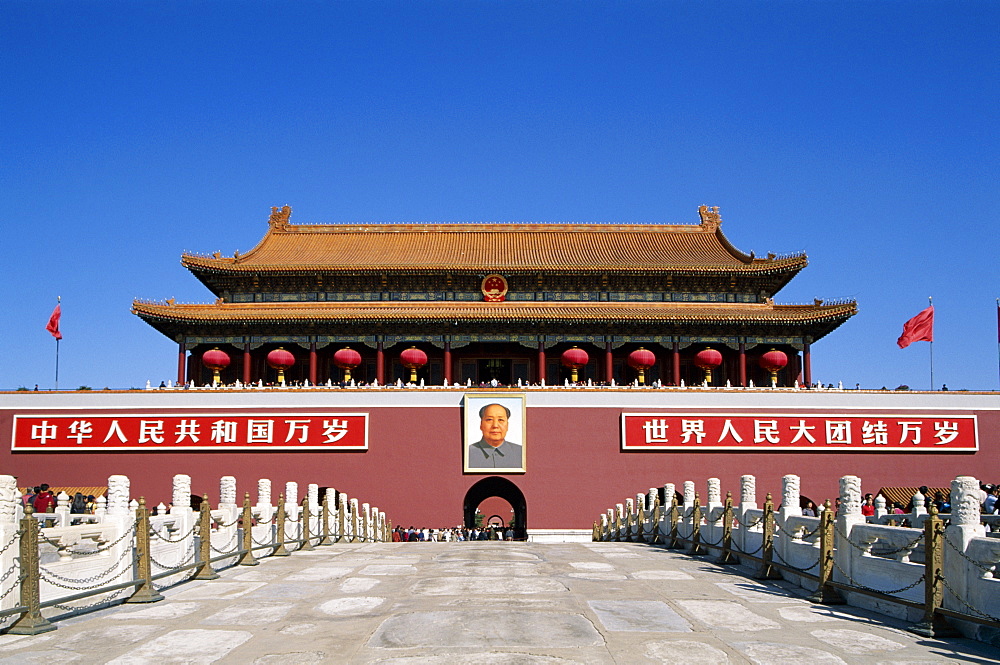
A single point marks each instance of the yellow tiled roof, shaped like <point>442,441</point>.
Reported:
<point>503,248</point>
<point>478,311</point>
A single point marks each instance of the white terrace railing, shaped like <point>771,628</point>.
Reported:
<point>939,571</point>
<point>61,564</point>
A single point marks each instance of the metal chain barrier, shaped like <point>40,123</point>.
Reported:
<point>187,559</point>
<point>221,525</point>
<point>796,535</point>
<point>262,543</point>
<point>190,574</point>
<point>63,582</point>
<point>154,534</point>
<point>753,524</point>
<point>97,603</point>
<point>859,585</point>
<point>3,578</point>
<point>13,539</point>
<point>795,568</point>
<point>127,533</point>
<point>231,543</point>
<point>986,568</point>
<point>739,550</point>
<point>974,611</point>
<point>912,544</point>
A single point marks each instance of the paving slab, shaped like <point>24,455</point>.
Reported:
<point>492,603</point>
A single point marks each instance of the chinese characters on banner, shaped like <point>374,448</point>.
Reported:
<point>198,431</point>
<point>911,432</point>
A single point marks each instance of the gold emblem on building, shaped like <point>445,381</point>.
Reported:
<point>494,288</point>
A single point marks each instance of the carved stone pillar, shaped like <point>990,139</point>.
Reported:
<point>181,496</point>
<point>688,494</point>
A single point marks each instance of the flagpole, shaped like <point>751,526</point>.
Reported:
<point>998,336</point>
<point>58,301</point>
<point>930,300</point>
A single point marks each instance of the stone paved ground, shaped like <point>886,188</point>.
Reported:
<point>508,603</point>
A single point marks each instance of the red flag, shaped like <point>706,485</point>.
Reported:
<point>53,325</point>
<point>918,329</point>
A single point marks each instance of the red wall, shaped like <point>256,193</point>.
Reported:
<point>575,467</point>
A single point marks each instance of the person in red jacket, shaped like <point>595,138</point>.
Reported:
<point>45,501</point>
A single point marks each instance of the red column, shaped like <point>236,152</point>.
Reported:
<point>609,364</point>
<point>181,363</point>
<point>447,362</point>
<point>379,364</point>
<point>807,374</point>
<point>677,364</point>
<point>312,363</point>
<point>247,363</point>
<point>541,361</point>
<point>743,364</point>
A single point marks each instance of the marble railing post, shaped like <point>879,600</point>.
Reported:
<point>355,535</point>
<point>880,508</point>
<point>791,506</point>
<point>329,521</point>
<point>686,526</point>
<point>850,516</point>
<point>264,507</point>
<point>342,518</point>
<point>312,492</point>
<point>966,506</point>
<point>11,513</point>
<point>669,494</point>
<point>230,510</point>
<point>292,499</point>
<point>748,502</point>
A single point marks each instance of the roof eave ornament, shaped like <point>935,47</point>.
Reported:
<point>279,217</point>
<point>711,220</point>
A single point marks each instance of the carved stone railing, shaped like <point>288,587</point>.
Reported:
<point>939,573</point>
<point>125,552</point>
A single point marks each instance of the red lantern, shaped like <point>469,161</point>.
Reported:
<point>574,358</point>
<point>216,361</point>
<point>708,359</point>
<point>413,359</point>
<point>640,360</point>
<point>774,361</point>
<point>280,360</point>
<point>347,359</point>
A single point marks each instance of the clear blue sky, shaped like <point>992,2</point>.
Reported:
<point>864,133</point>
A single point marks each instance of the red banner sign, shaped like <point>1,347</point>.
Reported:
<point>197,431</point>
<point>911,432</point>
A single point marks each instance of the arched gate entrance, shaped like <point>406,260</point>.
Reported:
<point>503,488</point>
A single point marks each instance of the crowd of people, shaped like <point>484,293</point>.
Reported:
<point>43,500</point>
<point>453,535</point>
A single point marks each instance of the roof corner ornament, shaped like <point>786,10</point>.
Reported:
<point>170,302</point>
<point>768,301</point>
<point>280,216</point>
<point>817,301</point>
<point>710,217</point>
